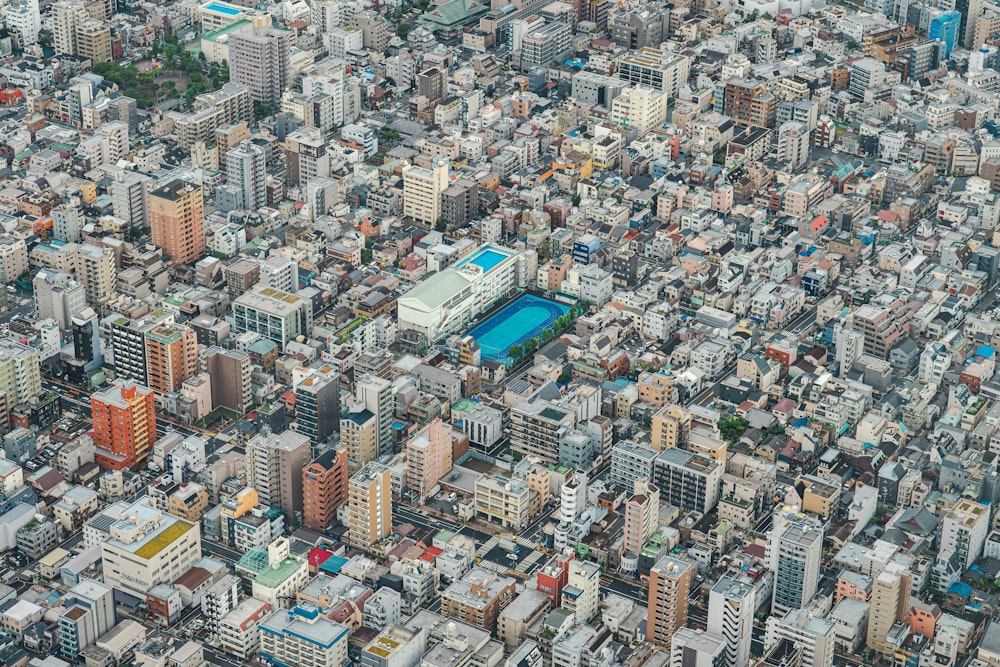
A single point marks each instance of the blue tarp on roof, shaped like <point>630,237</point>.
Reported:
<point>961,589</point>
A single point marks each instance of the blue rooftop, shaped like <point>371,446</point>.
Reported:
<point>221,8</point>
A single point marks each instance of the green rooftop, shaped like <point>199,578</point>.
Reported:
<point>274,577</point>
<point>169,535</point>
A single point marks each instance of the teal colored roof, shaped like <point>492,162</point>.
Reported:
<point>262,346</point>
<point>274,577</point>
<point>254,561</point>
<point>452,15</point>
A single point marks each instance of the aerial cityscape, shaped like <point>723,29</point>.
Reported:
<point>499,333</point>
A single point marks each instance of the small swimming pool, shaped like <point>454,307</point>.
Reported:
<point>222,9</point>
<point>525,318</point>
<point>485,258</point>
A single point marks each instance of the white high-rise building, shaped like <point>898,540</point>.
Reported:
<point>24,20</point>
<point>67,15</point>
<point>731,606</point>
<point>582,592</point>
<point>696,648</point>
<point>246,173</point>
<point>58,296</point>
<point>793,143</point>
<point>280,273</point>
<point>964,530</point>
<point>796,548</point>
<point>640,108</point>
<point>850,346</point>
<point>259,59</point>
<point>573,499</point>
<point>376,394</point>
<point>890,602</point>
<point>812,634</point>
<point>422,190</point>
<point>67,220</point>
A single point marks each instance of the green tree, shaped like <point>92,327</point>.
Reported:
<point>366,256</point>
<point>441,225</point>
<point>402,30</point>
<point>731,428</point>
<point>515,352</point>
<point>547,334</point>
<point>262,111</point>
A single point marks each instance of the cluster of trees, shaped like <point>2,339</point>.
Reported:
<point>530,346</point>
<point>731,428</point>
<point>145,87</point>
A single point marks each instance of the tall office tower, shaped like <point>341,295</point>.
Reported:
<point>324,488</point>
<point>305,156</point>
<point>890,602</point>
<point>810,633</point>
<point>428,458</point>
<point>572,498</point>
<point>58,296</point>
<point>13,258</point>
<point>422,190</point>
<point>274,465</point>
<point>259,59</point>
<point>93,41</point>
<point>640,28</point>
<point>799,549</point>
<point>731,606</point>
<point>171,357</point>
<point>850,346</point>
<point>177,220</point>
<point>317,404</point>
<point>370,508</point>
<point>946,27</point>
<point>359,434</point>
<point>66,16</point>
<point>640,108</point>
<point>124,425</point>
<point>582,592</point>
<point>128,344</point>
<point>130,198</point>
<point>696,648</point>
<point>671,427</point>
<point>275,315</point>
<point>376,395</point>
<point>230,371</point>
<point>793,143</point>
<point>67,220</point>
<point>964,530</point>
<point>642,511</point>
<point>749,103</point>
<point>87,339</point>
<point>246,174</point>
<point>970,10</point>
<point>20,377</point>
<point>96,269</point>
<point>688,480</point>
<point>89,612</point>
<point>24,20</point>
<point>667,607</point>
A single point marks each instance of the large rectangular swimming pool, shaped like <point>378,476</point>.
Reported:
<point>525,318</point>
<point>485,258</point>
<point>222,9</point>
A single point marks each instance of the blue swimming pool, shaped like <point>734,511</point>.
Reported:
<point>222,9</point>
<point>525,318</point>
<point>485,258</point>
